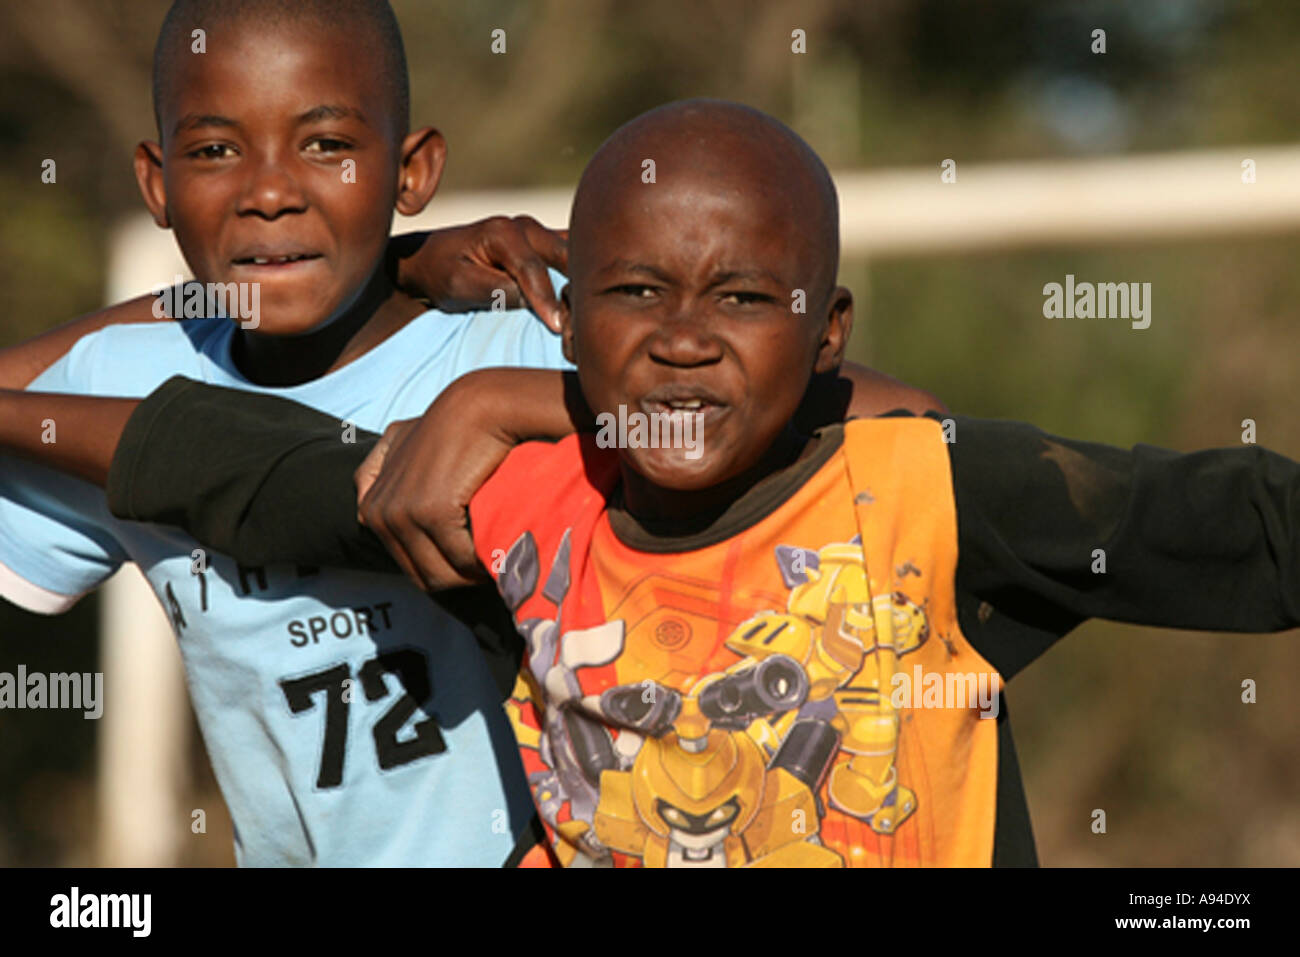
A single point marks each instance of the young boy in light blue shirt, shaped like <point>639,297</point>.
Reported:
<point>340,734</point>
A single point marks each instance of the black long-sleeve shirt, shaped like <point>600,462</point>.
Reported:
<point>1208,540</point>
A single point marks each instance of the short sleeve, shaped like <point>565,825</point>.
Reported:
<point>515,337</point>
<point>539,348</point>
<point>56,533</point>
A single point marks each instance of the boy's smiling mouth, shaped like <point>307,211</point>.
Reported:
<point>271,258</point>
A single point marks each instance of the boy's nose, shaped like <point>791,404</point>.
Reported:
<point>685,340</point>
<point>271,191</point>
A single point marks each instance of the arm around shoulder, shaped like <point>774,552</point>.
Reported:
<point>256,477</point>
<point>23,363</point>
<point>855,391</point>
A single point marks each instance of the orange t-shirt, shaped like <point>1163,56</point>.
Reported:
<point>788,688</point>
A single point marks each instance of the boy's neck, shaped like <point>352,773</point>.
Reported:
<point>378,312</point>
<point>675,512</point>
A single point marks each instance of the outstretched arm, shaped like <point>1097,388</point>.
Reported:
<point>73,433</point>
<point>1208,540</point>
<point>264,479</point>
<point>1054,531</point>
<point>282,487</point>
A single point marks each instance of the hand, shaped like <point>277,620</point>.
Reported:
<point>460,268</point>
<point>366,473</point>
<point>414,488</point>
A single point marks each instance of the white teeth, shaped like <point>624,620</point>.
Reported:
<point>686,404</point>
<point>276,260</point>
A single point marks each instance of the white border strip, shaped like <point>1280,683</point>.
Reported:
<point>31,597</point>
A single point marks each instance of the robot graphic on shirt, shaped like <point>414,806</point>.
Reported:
<point>717,765</point>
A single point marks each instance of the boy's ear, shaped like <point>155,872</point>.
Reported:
<point>566,324</point>
<point>835,334</point>
<point>149,176</point>
<point>424,155</point>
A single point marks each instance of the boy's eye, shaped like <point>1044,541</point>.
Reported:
<point>326,144</point>
<point>213,151</point>
<point>636,290</point>
<point>740,298</point>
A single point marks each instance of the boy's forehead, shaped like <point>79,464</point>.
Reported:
<point>692,215</point>
<point>733,216</point>
<point>279,69</point>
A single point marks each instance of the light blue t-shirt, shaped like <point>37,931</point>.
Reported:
<point>349,720</point>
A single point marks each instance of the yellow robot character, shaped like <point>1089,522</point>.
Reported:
<point>848,643</point>
<point>702,791</point>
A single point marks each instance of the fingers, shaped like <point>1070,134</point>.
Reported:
<point>431,569</point>
<point>419,481</point>
<point>368,471</point>
<point>465,267</point>
<point>374,521</point>
<point>452,541</point>
<point>551,245</point>
<point>443,551</point>
<point>410,539</point>
<point>428,537</point>
<point>477,288</point>
<point>524,248</point>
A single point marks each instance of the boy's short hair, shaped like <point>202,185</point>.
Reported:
<point>174,37</point>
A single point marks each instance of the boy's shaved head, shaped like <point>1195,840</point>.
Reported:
<point>704,284</point>
<point>732,148</point>
<point>381,38</point>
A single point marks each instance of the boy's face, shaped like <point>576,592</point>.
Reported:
<point>253,179</point>
<point>682,293</point>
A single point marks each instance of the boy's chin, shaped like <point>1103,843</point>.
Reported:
<point>684,470</point>
<point>288,323</point>
<point>291,316</point>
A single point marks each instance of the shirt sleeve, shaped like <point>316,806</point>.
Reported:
<point>513,338</point>
<point>1052,531</point>
<point>57,538</point>
<point>257,477</point>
